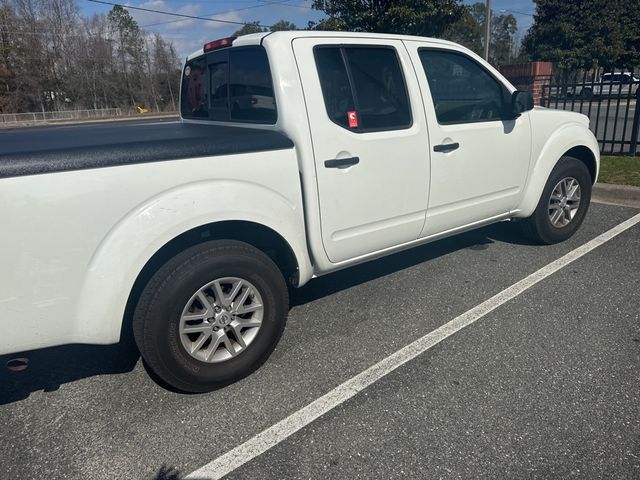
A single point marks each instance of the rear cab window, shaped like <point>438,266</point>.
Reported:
<point>229,85</point>
<point>363,87</point>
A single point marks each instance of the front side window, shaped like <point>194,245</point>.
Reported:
<point>363,87</point>
<point>232,85</point>
<point>461,89</point>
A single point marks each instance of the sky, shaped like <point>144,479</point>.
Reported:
<point>188,34</point>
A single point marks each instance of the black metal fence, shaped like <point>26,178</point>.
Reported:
<point>609,98</point>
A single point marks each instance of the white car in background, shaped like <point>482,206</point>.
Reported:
<point>623,84</point>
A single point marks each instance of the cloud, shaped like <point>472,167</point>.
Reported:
<point>150,19</point>
<point>229,17</point>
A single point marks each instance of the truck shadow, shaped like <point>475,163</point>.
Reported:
<point>51,367</point>
<point>478,239</point>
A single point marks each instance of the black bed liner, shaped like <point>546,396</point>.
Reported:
<point>33,151</point>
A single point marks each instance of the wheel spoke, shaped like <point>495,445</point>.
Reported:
<point>199,328</point>
<point>203,338</point>
<point>194,316</point>
<point>247,322</point>
<point>206,304</point>
<point>556,216</point>
<point>574,192</point>
<point>235,291</point>
<point>229,345</point>
<point>217,289</point>
<point>243,298</point>
<point>215,343</point>
<point>248,308</point>
<point>237,327</point>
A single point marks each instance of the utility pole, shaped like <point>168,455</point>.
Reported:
<point>487,30</point>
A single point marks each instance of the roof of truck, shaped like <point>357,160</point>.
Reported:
<point>257,38</point>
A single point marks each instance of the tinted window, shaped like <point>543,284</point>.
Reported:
<point>229,85</point>
<point>193,99</point>
<point>219,90</point>
<point>364,80</point>
<point>251,91</point>
<point>462,91</point>
<point>336,90</point>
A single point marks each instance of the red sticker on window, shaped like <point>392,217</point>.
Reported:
<point>353,119</point>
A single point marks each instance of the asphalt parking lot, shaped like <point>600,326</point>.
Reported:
<point>547,385</point>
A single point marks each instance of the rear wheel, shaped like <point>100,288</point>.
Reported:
<point>563,204</point>
<point>211,315</point>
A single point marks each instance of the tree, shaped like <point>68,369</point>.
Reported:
<point>585,33</point>
<point>52,58</point>
<point>411,17</point>
<point>248,28</point>
<point>283,25</point>
<point>130,50</point>
<point>469,31</point>
<point>8,25</point>
<point>503,30</point>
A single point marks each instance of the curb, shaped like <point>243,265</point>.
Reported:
<point>618,194</point>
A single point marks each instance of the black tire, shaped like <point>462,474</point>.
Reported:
<point>586,93</point>
<point>158,312</point>
<point>538,227</point>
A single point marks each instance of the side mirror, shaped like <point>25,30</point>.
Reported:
<point>521,102</point>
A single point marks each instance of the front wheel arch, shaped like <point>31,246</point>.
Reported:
<point>541,226</point>
<point>586,156</point>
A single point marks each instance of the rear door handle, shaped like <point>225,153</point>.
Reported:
<point>446,147</point>
<point>341,162</point>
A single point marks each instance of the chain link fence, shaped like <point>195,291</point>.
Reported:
<point>7,119</point>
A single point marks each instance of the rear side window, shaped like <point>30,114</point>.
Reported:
<point>232,85</point>
<point>363,87</point>
<point>461,89</point>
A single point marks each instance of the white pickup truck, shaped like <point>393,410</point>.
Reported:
<point>297,154</point>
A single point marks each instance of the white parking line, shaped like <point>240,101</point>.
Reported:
<point>275,434</point>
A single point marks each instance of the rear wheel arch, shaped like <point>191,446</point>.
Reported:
<point>259,236</point>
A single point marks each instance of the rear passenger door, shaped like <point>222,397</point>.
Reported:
<point>369,141</point>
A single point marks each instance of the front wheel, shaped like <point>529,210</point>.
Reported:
<point>563,204</point>
<point>211,315</point>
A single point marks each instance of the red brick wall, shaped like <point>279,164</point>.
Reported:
<point>529,77</point>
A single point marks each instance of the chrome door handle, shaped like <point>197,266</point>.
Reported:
<point>446,147</point>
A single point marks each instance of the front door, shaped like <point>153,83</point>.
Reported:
<point>370,143</point>
<point>480,157</point>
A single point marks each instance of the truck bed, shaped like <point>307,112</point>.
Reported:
<point>57,149</point>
